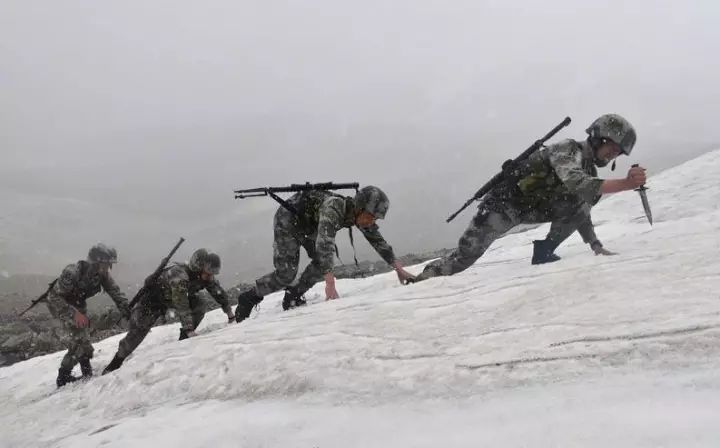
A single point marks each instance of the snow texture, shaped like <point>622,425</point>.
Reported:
<point>590,351</point>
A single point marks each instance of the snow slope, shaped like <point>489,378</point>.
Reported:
<point>590,351</point>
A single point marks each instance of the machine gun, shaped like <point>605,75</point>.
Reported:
<point>293,188</point>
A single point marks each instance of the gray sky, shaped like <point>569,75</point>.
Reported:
<point>132,122</point>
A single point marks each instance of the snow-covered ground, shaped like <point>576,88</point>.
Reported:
<point>590,351</point>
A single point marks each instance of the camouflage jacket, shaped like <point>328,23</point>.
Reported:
<point>80,281</point>
<point>180,286</point>
<point>322,214</point>
<point>555,182</point>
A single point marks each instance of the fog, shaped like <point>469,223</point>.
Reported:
<point>132,122</point>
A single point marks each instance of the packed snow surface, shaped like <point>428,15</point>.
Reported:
<point>590,351</point>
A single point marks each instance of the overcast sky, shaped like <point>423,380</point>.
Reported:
<point>131,122</point>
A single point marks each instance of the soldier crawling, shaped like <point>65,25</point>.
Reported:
<point>67,302</point>
<point>320,215</point>
<point>557,184</point>
<point>176,290</point>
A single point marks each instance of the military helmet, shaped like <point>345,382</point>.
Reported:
<point>101,253</point>
<point>372,200</point>
<point>202,260</point>
<point>615,128</point>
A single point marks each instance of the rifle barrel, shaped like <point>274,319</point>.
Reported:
<point>308,186</point>
<point>252,190</point>
<point>42,297</point>
<point>293,188</point>
<point>250,195</point>
<point>492,183</point>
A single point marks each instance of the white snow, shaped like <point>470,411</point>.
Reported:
<point>590,351</point>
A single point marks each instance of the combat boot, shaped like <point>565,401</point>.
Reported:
<point>86,368</point>
<point>115,364</point>
<point>246,301</point>
<point>543,252</point>
<point>65,376</point>
<point>292,300</point>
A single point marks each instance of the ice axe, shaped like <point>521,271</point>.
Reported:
<point>642,190</point>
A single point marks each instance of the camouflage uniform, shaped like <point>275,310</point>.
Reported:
<point>561,229</point>
<point>556,184</point>
<point>76,284</point>
<point>321,215</point>
<point>176,289</point>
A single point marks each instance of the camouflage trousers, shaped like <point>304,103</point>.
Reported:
<point>561,229</point>
<point>79,345</point>
<point>143,317</point>
<point>489,225</point>
<point>287,242</point>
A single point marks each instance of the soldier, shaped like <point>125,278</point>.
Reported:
<point>320,215</point>
<point>557,184</point>
<point>175,292</point>
<point>67,301</point>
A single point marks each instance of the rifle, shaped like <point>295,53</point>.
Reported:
<point>508,166</point>
<point>153,278</point>
<point>293,188</point>
<point>39,299</point>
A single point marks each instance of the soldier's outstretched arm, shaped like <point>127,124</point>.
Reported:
<point>377,241</point>
<point>586,228</point>
<point>635,178</point>
<point>374,237</point>
<point>113,290</point>
<point>218,293</point>
<point>330,219</point>
<point>181,303</point>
